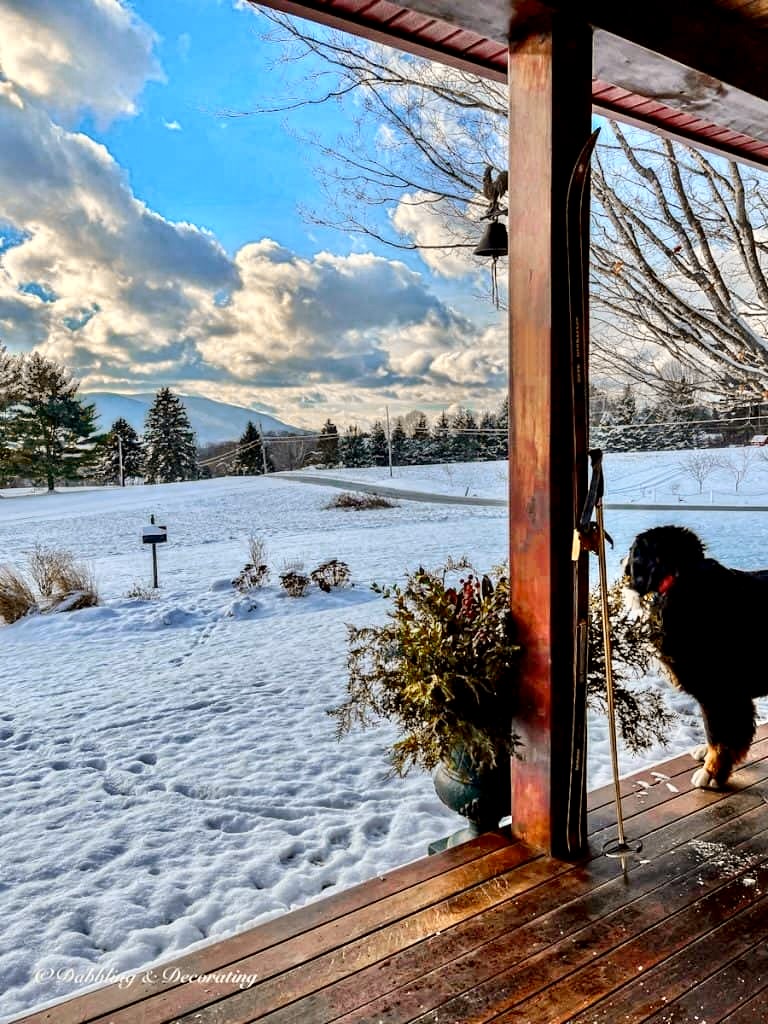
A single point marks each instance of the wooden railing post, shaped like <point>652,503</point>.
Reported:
<point>550,70</point>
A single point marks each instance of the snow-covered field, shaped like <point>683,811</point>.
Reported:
<point>167,770</point>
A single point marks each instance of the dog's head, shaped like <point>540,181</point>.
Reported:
<point>658,556</point>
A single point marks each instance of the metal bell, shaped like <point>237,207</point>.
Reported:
<point>494,241</point>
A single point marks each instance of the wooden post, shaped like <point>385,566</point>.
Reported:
<point>550,71</point>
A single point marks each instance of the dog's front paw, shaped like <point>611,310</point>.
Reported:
<point>700,753</point>
<point>701,779</point>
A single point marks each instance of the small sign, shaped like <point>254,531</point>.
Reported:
<point>154,534</point>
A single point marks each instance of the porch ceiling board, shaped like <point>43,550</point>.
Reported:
<point>654,64</point>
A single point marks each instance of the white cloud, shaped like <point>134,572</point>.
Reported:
<point>431,226</point>
<point>172,126</point>
<point>128,299</point>
<point>90,55</point>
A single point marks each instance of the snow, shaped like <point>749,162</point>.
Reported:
<point>168,774</point>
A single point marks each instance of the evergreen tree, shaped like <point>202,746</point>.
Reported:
<point>489,437</point>
<point>121,454</point>
<point>420,442</point>
<point>328,445</point>
<point>442,441</point>
<point>252,453</point>
<point>377,444</point>
<point>53,433</point>
<point>399,440</point>
<point>466,444</point>
<point>170,452</point>
<point>354,450</point>
<point>10,369</point>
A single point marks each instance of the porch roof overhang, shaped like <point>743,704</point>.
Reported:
<point>693,69</point>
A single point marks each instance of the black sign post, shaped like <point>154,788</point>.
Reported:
<point>154,535</point>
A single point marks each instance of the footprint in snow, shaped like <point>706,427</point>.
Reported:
<point>376,829</point>
<point>233,823</point>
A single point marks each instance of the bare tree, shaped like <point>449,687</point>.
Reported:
<point>679,240</point>
<point>737,462</point>
<point>699,465</point>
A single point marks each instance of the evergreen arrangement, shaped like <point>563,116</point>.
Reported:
<point>170,453</point>
<point>122,455</point>
<point>443,669</point>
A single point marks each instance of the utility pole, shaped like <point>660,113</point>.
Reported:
<point>120,458</point>
<point>389,441</point>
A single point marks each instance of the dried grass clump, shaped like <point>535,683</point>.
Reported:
<point>16,596</point>
<point>48,567</point>
<point>74,587</point>
<point>360,502</point>
<point>53,582</point>
<point>257,550</point>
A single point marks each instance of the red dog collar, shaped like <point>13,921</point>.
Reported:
<point>666,583</point>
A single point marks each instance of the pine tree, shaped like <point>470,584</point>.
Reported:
<point>489,437</point>
<point>252,453</point>
<point>442,442</point>
<point>53,433</point>
<point>377,444</point>
<point>122,455</point>
<point>354,450</point>
<point>328,445</point>
<point>466,443</point>
<point>399,440</point>
<point>10,371</point>
<point>420,441</point>
<point>170,453</point>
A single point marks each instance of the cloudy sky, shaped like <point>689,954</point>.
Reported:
<point>147,238</point>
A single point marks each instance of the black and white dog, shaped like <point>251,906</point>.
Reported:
<point>708,628</point>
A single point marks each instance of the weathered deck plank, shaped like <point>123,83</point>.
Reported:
<point>492,931</point>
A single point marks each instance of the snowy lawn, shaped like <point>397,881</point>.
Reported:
<point>167,770</point>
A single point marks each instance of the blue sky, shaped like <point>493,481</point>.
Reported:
<point>147,238</point>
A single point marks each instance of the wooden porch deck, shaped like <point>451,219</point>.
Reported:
<point>490,931</point>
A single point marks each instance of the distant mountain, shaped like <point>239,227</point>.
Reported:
<point>211,421</point>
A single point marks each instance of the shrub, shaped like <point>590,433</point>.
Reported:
<point>255,572</point>
<point>141,592</point>
<point>16,596</point>
<point>295,583</point>
<point>330,574</point>
<point>443,668</point>
<point>360,502</point>
<point>251,577</point>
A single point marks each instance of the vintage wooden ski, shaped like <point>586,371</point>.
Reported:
<point>577,244</point>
